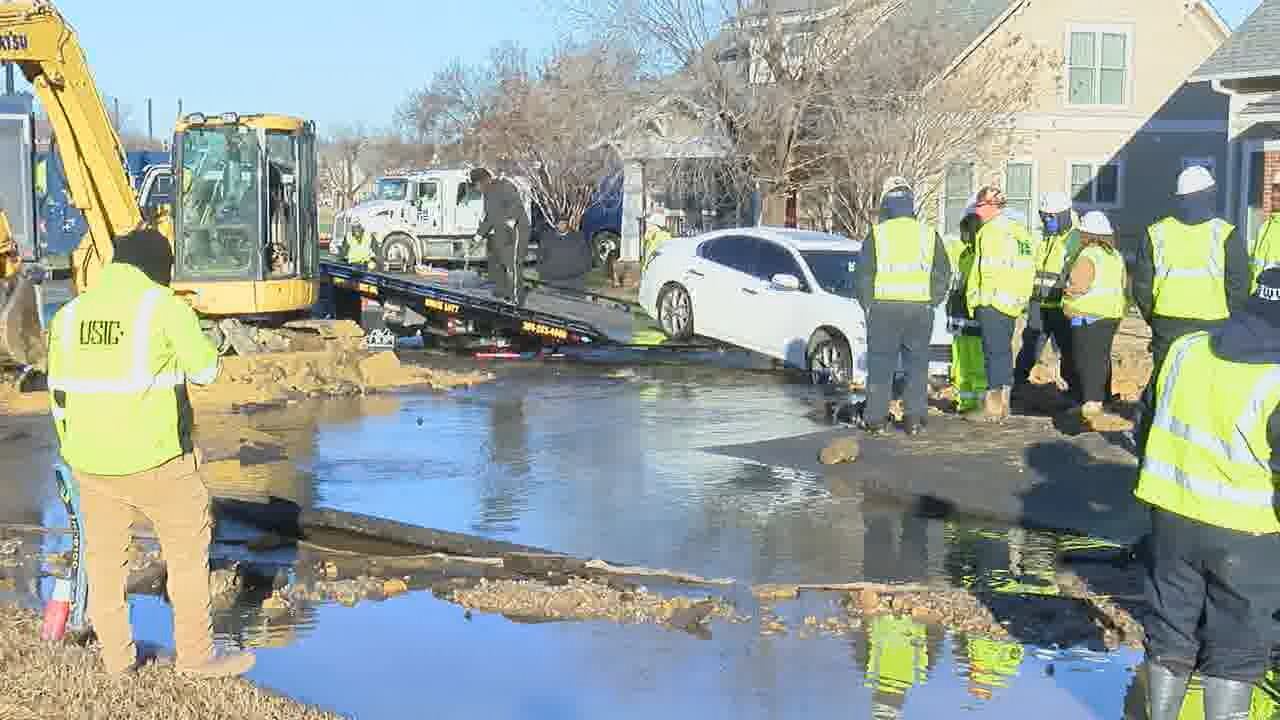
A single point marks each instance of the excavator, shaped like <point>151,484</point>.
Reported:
<point>242,224</point>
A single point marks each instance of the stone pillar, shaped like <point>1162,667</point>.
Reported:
<point>632,209</point>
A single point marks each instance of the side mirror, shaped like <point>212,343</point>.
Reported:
<point>785,282</point>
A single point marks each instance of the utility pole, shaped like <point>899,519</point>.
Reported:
<point>151,135</point>
<point>179,108</point>
<point>8,78</point>
<point>117,104</point>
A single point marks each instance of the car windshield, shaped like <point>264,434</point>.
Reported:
<point>392,189</point>
<point>833,270</point>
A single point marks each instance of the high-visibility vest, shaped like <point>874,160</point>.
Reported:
<point>360,248</point>
<point>1105,298</point>
<point>904,260</point>
<point>1190,269</point>
<point>1266,250</point>
<point>993,662</point>
<point>1208,456</point>
<point>119,358</point>
<point>653,239</point>
<point>962,323</point>
<point>898,656</point>
<point>1004,268</point>
<point>1054,255</point>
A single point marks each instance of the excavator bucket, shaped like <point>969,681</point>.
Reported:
<point>22,339</point>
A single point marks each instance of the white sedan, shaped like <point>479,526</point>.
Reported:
<point>786,294</point>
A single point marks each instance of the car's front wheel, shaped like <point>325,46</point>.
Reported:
<point>829,359</point>
<point>675,312</point>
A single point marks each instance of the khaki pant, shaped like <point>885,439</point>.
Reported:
<point>174,498</point>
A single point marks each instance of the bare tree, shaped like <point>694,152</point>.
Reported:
<point>765,68</point>
<point>539,121</point>
<point>340,157</point>
<point>902,113</point>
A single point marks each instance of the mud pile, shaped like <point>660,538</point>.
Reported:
<point>276,378</point>
<point>38,680</point>
<point>583,599</point>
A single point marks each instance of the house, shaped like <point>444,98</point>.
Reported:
<point>1113,131</point>
<point>1246,70</point>
<point>1122,121</point>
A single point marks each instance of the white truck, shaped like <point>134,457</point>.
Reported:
<point>424,217</point>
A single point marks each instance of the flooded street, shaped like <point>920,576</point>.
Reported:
<point>606,462</point>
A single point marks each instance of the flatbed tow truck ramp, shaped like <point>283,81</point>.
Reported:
<point>459,306</point>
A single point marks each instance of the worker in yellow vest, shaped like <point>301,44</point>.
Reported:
<point>655,234</point>
<point>968,371</point>
<point>992,663</point>
<point>1190,272</point>
<point>1095,302</point>
<point>902,274</point>
<point>1208,473</point>
<point>997,289</point>
<point>897,660</point>
<point>1266,249</point>
<point>1045,319</point>
<point>359,250</point>
<point>120,356</point>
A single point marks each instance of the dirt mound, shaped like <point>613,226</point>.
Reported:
<point>275,377</point>
<point>582,599</point>
<point>38,680</point>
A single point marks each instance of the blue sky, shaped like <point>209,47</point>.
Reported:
<point>330,61</point>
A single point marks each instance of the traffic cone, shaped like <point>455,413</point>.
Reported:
<point>56,611</point>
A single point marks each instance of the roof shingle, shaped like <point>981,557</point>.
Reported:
<point>1252,51</point>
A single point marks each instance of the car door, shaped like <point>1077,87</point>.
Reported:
<point>780,318</point>
<point>718,280</point>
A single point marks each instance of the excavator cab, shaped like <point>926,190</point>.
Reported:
<point>243,213</point>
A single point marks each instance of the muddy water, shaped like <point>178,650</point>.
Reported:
<point>604,463</point>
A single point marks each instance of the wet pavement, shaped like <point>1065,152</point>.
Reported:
<point>609,462</point>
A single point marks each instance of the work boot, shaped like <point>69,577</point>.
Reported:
<point>1226,699</point>
<point>1165,690</point>
<point>988,410</point>
<point>1091,409</point>
<point>1005,393</point>
<point>875,428</point>
<point>220,665</point>
<point>913,425</point>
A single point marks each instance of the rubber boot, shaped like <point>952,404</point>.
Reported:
<point>1165,691</point>
<point>1005,402</point>
<point>1227,699</point>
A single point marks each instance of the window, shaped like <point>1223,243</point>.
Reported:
<point>734,252</point>
<point>427,193</point>
<point>1018,181</point>
<point>1096,184</point>
<point>1208,163</point>
<point>777,260</point>
<point>1098,67</point>
<point>834,271</point>
<point>958,191</point>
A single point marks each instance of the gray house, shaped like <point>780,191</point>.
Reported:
<point>1246,69</point>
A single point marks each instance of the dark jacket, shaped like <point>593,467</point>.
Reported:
<point>1193,210</point>
<point>1248,338</point>
<point>503,203</point>
<point>865,272</point>
<point>563,258</point>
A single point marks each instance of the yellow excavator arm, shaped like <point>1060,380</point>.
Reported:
<point>39,40</point>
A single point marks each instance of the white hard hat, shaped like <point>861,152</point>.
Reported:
<point>1194,179</point>
<point>1054,203</point>
<point>897,182</point>
<point>657,217</point>
<point>1096,223</point>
